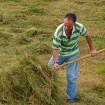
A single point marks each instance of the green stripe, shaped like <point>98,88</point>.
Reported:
<point>78,26</point>
<point>70,45</point>
<point>57,40</point>
<point>82,29</point>
<point>74,38</point>
<point>70,50</point>
<point>84,33</point>
<point>75,32</point>
<point>61,36</point>
<point>60,30</point>
<point>66,56</point>
<point>55,46</point>
<point>69,40</point>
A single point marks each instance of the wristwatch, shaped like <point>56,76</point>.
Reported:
<point>56,62</point>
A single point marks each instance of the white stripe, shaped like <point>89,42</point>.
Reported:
<point>70,47</point>
<point>81,25</point>
<point>83,31</point>
<point>56,43</point>
<point>58,29</point>
<point>74,35</point>
<point>57,37</point>
<point>73,41</point>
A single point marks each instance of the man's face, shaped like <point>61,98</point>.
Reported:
<point>68,25</point>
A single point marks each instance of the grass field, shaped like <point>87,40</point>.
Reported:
<point>26,31</point>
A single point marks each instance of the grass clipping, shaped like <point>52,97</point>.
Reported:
<point>31,82</point>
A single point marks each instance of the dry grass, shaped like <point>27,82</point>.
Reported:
<point>27,28</point>
<point>31,82</point>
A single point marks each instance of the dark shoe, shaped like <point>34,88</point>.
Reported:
<point>70,101</point>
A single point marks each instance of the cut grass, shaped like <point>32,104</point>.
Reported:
<point>19,39</point>
<point>100,68</point>
<point>30,82</point>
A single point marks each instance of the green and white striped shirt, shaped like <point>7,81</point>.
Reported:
<point>68,47</point>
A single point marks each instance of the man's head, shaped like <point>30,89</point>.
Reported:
<point>69,21</point>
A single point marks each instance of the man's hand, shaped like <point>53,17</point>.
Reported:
<point>93,53</point>
<point>56,66</point>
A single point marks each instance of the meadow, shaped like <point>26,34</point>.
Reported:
<point>26,32</point>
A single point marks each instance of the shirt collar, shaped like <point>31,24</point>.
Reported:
<point>64,33</point>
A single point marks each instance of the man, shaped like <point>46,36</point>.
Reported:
<point>65,49</point>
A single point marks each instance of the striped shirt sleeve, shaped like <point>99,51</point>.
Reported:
<point>83,31</point>
<point>56,40</point>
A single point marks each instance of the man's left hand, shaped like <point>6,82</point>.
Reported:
<point>93,53</point>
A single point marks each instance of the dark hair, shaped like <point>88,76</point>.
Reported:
<point>71,16</point>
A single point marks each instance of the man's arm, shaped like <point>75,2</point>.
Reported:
<point>55,55</point>
<point>90,43</point>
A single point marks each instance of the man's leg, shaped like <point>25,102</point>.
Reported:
<point>72,76</point>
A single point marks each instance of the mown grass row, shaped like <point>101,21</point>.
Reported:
<point>26,30</point>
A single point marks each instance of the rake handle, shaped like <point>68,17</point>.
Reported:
<point>78,59</point>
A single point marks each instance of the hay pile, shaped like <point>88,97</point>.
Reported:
<point>30,83</point>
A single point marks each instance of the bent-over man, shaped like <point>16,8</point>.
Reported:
<point>65,49</point>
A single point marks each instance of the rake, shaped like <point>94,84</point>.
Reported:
<point>78,59</point>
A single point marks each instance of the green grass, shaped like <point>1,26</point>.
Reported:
<point>26,30</point>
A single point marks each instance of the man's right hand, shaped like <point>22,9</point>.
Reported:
<point>56,66</point>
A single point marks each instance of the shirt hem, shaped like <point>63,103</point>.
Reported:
<point>69,56</point>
